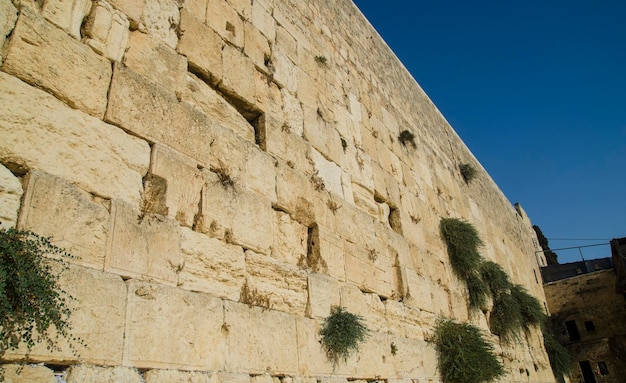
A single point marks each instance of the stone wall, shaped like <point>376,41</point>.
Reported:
<point>226,171</point>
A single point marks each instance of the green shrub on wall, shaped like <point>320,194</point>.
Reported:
<point>531,311</point>
<point>463,243</point>
<point>478,291</point>
<point>495,277</point>
<point>342,332</point>
<point>464,355</point>
<point>33,308</point>
<point>560,358</point>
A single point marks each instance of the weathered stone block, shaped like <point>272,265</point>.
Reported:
<point>66,14</point>
<point>198,93</point>
<point>202,46</point>
<point>284,285</point>
<point>293,115</point>
<point>106,31</point>
<point>262,18</point>
<point>37,49</point>
<point>286,43</point>
<point>250,349</point>
<point>256,46</point>
<point>10,196</point>
<point>17,373</point>
<point>371,271</point>
<point>156,61</point>
<point>131,8</point>
<point>197,8</point>
<point>284,73</point>
<point>260,172</point>
<point>100,158</point>
<point>161,19</point>
<point>225,377</point>
<point>290,239</point>
<point>97,374</point>
<point>8,18</point>
<point>54,208</point>
<point>323,295</point>
<point>329,172</point>
<point>293,150</point>
<point>237,215</point>
<point>177,376</point>
<point>225,21</point>
<point>147,110</point>
<point>188,334</point>
<point>322,136</point>
<point>327,254</point>
<point>97,319</point>
<point>238,75</point>
<point>141,246</point>
<point>211,266</point>
<point>184,183</point>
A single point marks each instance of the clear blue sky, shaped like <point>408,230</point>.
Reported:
<point>537,91</point>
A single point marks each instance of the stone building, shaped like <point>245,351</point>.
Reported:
<point>591,315</point>
<point>227,171</point>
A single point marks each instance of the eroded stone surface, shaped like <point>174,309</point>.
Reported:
<point>89,373</point>
<point>10,196</point>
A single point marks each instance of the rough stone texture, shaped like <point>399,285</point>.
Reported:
<point>106,31</point>
<point>37,48</point>
<point>131,8</point>
<point>161,18</point>
<point>97,374</point>
<point>184,183</point>
<point>211,266</point>
<point>323,295</point>
<point>290,239</point>
<point>99,157</point>
<point>250,349</point>
<point>238,75</point>
<point>10,197</point>
<point>256,46</point>
<point>188,334</point>
<point>147,110</point>
<point>202,46</point>
<point>8,18</point>
<point>224,20</point>
<point>73,218</point>
<point>142,246</point>
<point>175,376</point>
<point>66,14</point>
<point>15,373</point>
<point>156,61</point>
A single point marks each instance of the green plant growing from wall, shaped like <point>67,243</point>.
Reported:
<point>342,332</point>
<point>407,137</point>
<point>506,318</point>
<point>496,278</point>
<point>320,59</point>
<point>530,309</point>
<point>478,290</point>
<point>33,308</point>
<point>560,358</point>
<point>464,355</point>
<point>463,243</point>
<point>468,172</point>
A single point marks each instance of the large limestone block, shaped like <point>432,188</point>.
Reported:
<point>8,18</point>
<point>98,316</point>
<point>66,14</point>
<point>294,117</point>
<point>238,75</point>
<point>256,46</point>
<point>146,109</point>
<point>196,8</point>
<point>199,94</point>
<point>175,376</point>
<point>322,136</point>
<point>106,31</point>
<point>413,358</point>
<point>10,197</point>
<point>290,239</point>
<point>260,340</point>
<point>367,305</point>
<point>161,19</point>
<point>211,266</point>
<point>327,253</point>
<point>329,172</point>
<point>133,9</point>
<point>285,286</point>
<point>311,356</point>
<point>202,46</point>
<point>141,246</point>
<point>224,20</point>
<point>100,158</point>
<point>46,57</point>
<point>262,18</point>
<point>96,374</point>
<point>237,215</point>
<point>156,61</point>
<point>73,218</point>
<point>286,43</point>
<point>284,71</point>
<point>171,328</point>
<point>323,295</point>
<point>225,377</point>
<point>407,322</point>
<point>17,373</point>
<point>184,182</point>
<point>260,172</point>
<point>295,195</point>
<point>292,149</point>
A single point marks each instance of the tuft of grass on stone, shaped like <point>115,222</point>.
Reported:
<point>468,172</point>
<point>463,242</point>
<point>342,332</point>
<point>496,278</point>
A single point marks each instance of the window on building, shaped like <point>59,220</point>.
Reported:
<point>572,330</point>
<point>589,326</point>
<point>602,369</point>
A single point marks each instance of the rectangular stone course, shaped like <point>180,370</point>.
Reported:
<point>37,49</point>
<point>106,31</point>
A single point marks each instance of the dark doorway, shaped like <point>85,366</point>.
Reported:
<point>585,368</point>
<point>572,330</point>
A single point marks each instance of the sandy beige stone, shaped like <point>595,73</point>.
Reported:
<point>250,349</point>
<point>261,18</point>
<point>329,172</point>
<point>187,336</point>
<point>66,14</point>
<point>184,183</point>
<point>294,117</point>
<point>211,266</point>
<point>323,295</point>
<point>202,46</point>
<point>142,246</point>
<point>224,20</point>
<point>99,374</point>
<point>321,135</point>
<point>131,8</point>
<point>284,71</point>
<point>176,376</point>
<point>37,48</point>
<point>260,172</point>
<point>290,239</point>
<point>17,373</point>
<point>156,61</point>
<point>106,31</point>
<point>295,195</point>
<point>225,377</point>
<point>55,208</point>
<point>161,19</point>
<point>8,18</point>
<point>10,196</point>
<point>198,93</point>
<point>149,111</point>
<point>256,46</point>
<point>100,158</point>
<point>286,43</point>
<point>284,285</point>
<point>238,75</point>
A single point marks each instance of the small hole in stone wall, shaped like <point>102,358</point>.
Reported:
<point>258,123</point>
<point>230,28</point>
<point>394,220</point>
